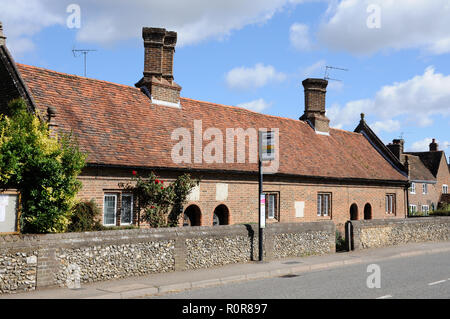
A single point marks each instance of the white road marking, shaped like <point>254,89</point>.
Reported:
<point>437,282</point>
<point>385,297</point>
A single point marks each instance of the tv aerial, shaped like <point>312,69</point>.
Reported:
<point>327,72</point>
<point>84,52</point>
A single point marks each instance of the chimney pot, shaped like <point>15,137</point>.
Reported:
<point>170,40</point>
<point>315,92</point>
<point>397,147</point>
<point>434,146</point>
<point>158,67</point>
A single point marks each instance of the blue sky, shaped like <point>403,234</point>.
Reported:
<point>256,53</point>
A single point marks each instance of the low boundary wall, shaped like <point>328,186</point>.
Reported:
<point>391,232</point>
<point>28,262</point>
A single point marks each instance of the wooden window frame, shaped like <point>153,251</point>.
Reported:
<point>277,205</point>
<point>115,195</point>
<point>320,204</point>
<point>413,188</point>
<point>391,204</point>
<point>121,208</point>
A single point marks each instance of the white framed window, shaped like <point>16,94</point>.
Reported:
<point>323,204</point>
<point>109,209</point>
<point>126,214</point>
<point>425,209</point>
<point>424,188</point>
<point>444,189</point>
<point>390,203</point>
<point>412,208</point>
<point>412,189</point>
<point>271,205</point>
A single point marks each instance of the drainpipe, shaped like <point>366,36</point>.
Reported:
<point>407,186</point>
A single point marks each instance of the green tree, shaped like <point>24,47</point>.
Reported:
<point>42,168</point>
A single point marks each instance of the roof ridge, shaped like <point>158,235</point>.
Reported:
<point>75,76</point>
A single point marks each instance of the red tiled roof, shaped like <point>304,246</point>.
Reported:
<point>118,125</point>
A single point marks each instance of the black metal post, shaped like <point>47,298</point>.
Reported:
<point>260,232</point>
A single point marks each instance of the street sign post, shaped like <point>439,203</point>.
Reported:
<point>266,153</point>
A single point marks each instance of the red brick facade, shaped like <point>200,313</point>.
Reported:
<point>242,199</point>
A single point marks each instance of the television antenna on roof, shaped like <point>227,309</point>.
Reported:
<point>327,72</point>
<point>84,52</point>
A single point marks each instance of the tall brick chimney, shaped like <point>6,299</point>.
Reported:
<point>2,36</point>
<point>315,92</point>
<point>434,146</point>
<point>397,147</point>
<point>158,81</point>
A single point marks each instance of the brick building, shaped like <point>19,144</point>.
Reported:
<point>321,173</point>
<point>428,174</point>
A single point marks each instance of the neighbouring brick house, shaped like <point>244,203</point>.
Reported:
<point>323,173</point>
<point>428,174</point>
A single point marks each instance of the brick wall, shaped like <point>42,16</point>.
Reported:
<point>242,199</point>
<point>443,177</point>
<point>419,199</point>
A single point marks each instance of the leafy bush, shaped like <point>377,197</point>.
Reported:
<point>42,168</point>
<point>85,217</point>
<point>443,210</point>
<point>161,204</point>
<point>418,214</point>
<point>340,242</point>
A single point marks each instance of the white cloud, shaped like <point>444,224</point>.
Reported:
<point>315,70</point>
<point>107,22</point>
<point>386,126</point>
<point>418,99</point>
<point>347,115</point>
<point>254,77</point>
<point>256,105</point>
<point>299,37</point>
<point>24,18</point>
<point>404,24</point>
<point>335,85</point>
<point>423,145</point>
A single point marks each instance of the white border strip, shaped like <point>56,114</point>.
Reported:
<point>165,103</point>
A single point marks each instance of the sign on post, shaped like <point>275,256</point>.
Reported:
<point>262,211</point>
<point>266,146</point>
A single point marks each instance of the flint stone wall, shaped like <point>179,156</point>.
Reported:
<point>28,262</point>
<point>382,233</point>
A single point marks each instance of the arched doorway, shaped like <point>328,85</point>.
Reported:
<point>367,211</point>
<point>191,216</point>
<point>354,212</point>
<point>221,215</point>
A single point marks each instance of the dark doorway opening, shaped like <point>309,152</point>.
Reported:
<point>192,216</point>
<point>354,212</point>
<point>367,211</point>
<point>221,215</point>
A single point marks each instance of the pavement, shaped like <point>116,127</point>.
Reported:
<point>163,283</point>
